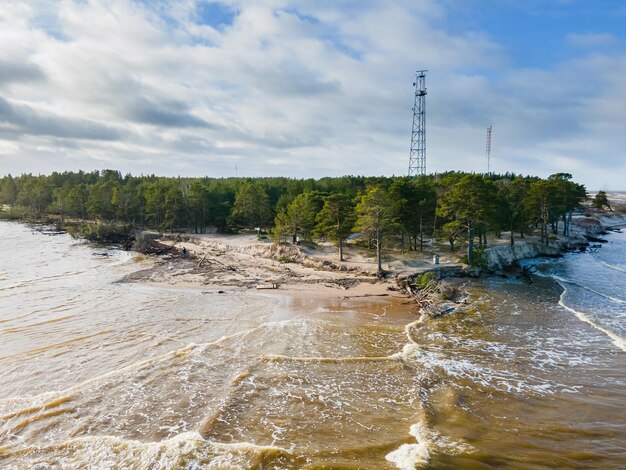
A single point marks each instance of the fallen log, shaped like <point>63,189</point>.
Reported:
<point>591,238</point>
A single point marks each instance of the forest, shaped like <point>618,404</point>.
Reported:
<point>460,208</point>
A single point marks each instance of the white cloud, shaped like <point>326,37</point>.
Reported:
<point>295,89</point>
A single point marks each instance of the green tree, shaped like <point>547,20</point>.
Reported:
<point>375,218</point>
<point>537,204</point>
<point>9,190</point>
<point>34,193</point>
<point>100,200</point>
<point>335,220</point>
<point>125,201</point>
<point>154,194</point>
<point>175,208</point>
<point>299,217</point>
<point>76,201</point>
<point>415,200</point>
<point>511,204</point>
<point>252,207</point>
<point>600,201</point>
<point>60,202</point>
<point>566,196</point>
<point>470,204</point>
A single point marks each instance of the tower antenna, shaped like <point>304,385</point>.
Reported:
<point>417,157</point>
<point>489,129</point>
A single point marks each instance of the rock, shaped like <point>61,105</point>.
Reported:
<point>501,256</point>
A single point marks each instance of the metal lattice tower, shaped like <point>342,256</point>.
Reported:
<point>489,129</point>
<point>417,157</point>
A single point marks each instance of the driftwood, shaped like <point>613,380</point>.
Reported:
<point>591,238</point>
<point>230,268</point>
<point>204,258</point>
<point>420,296</point>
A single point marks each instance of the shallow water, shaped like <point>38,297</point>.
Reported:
<point>110,375</point>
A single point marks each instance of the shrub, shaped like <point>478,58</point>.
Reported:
<point>426,280</point>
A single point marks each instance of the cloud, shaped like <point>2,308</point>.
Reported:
<point>166,113</point>
<point>19,72</point>
<point>302,89</point>
<point>592,40</point>
<point>22,119</point>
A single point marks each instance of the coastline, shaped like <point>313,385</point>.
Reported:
<point>217,264</point>
<point>304,279</point>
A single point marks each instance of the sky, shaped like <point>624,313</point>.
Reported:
<point>313,88</point>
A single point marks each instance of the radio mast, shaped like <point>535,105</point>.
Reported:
<point>489,129</point>
<point>417,157</point>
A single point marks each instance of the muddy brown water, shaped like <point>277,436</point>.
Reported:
<point>100,374</point>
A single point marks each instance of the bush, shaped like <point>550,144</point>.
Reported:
<point>480,257</point>
<point>426,280</point>
<point>102,233</point>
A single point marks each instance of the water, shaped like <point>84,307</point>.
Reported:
<point>594,287</point>
<point>110,375</point>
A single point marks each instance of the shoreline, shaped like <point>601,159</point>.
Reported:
<point>219,264</point>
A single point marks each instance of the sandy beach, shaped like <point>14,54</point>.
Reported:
<point>220,263</point>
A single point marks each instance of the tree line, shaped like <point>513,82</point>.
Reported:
<point>458,207</point>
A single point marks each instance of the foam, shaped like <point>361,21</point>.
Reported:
<point>325,360</point>
<point>428,441</point>
<point>409,456</point>
<point>176,452</point>
<point>613,266</point>
<point>488,377</point>
<point>563,281</point>
<point>615,339</point>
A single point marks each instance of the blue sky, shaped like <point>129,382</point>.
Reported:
<point>541,33</point>
<point>312,88</point>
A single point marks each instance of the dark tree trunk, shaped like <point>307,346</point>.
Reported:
<point>470,245</point>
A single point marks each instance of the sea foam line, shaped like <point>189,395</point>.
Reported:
<point>563,281</point>
<point>615,339</point>
<point>612,266</point>
<point>168,453</point>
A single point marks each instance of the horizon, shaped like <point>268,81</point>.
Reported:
<point>212,88</point>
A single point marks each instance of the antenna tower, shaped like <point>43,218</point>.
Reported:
<point>489,129</point>
<point>417,157</point>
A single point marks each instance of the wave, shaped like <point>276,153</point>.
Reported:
<point>412,456</point>
<point>22,400</point>
<point>615,338</point>
<point>325,360</point>
<point>174,453</point>
<point>19,329</point>
<point>619,268</point>
<point>563,281</point>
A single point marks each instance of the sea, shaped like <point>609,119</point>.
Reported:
<point>101,374</point>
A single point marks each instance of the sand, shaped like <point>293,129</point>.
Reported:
<point>221,263</point>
